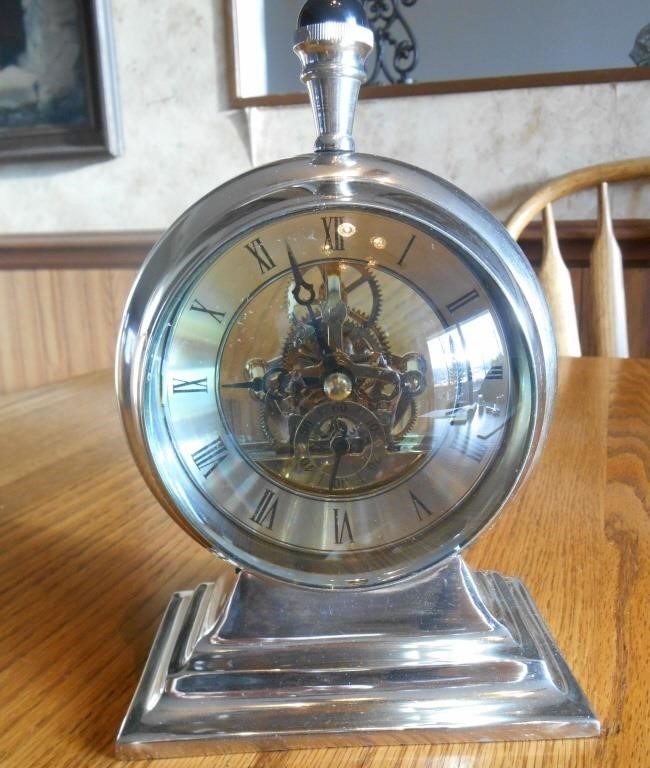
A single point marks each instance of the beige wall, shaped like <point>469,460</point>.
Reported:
<point>497,146</point>
<point>182,138</point>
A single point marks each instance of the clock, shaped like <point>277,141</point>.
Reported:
<point>333,372</point>
<point>342,388</point>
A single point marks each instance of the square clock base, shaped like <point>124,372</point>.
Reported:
<point>247,664</point>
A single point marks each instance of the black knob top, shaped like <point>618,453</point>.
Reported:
<point>320,11</point>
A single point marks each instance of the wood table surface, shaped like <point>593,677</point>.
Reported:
<point>88,561</point>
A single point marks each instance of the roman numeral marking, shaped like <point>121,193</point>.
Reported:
<point>264,260</point>
<point>264,514</point>
<point>462,301</point>
<point>180,386</point>
<point>210,456</point>
<point>465,445</point>
<point>420,507</point>
<point>198,307</point>
<point>406,250</point>
<point>331,225</point>
<point>342,529</point>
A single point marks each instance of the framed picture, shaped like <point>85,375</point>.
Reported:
<point>58,81</point>
<point>436,46</point>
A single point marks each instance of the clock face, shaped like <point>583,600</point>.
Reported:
<point>344,394</point>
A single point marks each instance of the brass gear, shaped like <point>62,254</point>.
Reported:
<point>412,407</point>
<point>364,338</point>
<point>301,346</point>
<point>271,409</point>
<point>374,334</point>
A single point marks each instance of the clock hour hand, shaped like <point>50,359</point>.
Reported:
<point>304,294</point>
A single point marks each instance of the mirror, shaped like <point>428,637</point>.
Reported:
<point>429,46</point>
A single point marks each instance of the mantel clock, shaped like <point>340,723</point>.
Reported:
<point>333,372</point>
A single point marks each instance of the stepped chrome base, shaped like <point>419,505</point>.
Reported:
<point>248,664</point>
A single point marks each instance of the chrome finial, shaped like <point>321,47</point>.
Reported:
<point>332,41</point>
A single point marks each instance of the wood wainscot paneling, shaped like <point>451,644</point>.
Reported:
<point>62,296</point>
<point>61,303</point>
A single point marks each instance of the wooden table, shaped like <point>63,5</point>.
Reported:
<point>89,560</point>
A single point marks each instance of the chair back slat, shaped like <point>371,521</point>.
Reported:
<point>556,282</point>
<point>608,289</point>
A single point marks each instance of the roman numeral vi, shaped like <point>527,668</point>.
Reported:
<point>342,529</point>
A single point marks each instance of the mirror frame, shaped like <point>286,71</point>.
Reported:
<point>505,82</point>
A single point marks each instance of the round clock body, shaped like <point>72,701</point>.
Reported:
<point>335,370</point>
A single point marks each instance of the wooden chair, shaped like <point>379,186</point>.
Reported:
<point>608,292</point>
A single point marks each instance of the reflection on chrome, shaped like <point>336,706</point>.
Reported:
<point>481,674</point>
<point>467,363</point>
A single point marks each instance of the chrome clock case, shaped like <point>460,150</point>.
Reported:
<point>341,645</point>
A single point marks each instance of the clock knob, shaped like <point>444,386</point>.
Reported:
<point>333,41</point>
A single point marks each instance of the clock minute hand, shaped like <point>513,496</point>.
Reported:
<point>340,446</point>
<point>335,309</point>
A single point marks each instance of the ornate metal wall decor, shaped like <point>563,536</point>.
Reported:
<point>640,54</point>
<point>396,53</point>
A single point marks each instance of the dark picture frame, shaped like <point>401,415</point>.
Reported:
<point>99,132</point>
